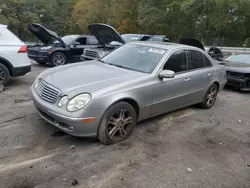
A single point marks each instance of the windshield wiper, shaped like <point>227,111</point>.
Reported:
<point>100,60</point>
<point>120,66</point>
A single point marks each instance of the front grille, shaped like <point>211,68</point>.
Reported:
<point>236,74</point>
<point>47,92</point>
<point>91,53</point>
<point>36,53</point>
<point>32,52</point>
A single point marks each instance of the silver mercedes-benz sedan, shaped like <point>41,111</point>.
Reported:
<point>106,98</point>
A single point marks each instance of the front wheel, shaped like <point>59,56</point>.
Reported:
<point>58,59</point>
<point>117,123</point>
<point>210,97</point>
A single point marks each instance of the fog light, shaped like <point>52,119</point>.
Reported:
<point>71,128</point>
<point>63,101</point>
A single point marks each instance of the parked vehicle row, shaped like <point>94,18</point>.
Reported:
<point>57,51</point>
<point>128,78</point>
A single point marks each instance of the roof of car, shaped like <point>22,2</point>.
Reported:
<point>164,45</point>
<point>135,34</point>
<point>1,25</point>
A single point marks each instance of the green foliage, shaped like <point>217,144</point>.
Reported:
<point>218,22</point>
<point>247,42</point>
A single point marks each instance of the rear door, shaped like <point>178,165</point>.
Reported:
<point>202,73</point>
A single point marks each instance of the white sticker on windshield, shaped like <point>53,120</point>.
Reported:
<point>134,38</point>
<point>156,51</point>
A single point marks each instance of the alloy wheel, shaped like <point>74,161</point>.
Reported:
<point>119,125</point>
<point>211,96</point>
<point>59,60</point>
<point>2,76</point>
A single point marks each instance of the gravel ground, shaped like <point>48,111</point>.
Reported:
<point>190,148</point>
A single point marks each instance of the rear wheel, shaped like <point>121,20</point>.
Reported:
<point>58,59</point>
<point>210,97</point>
<point>117,123</point>
<point>4,74</point>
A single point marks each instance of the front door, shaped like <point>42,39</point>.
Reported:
<point>77,48</point>
<point>172,93</point>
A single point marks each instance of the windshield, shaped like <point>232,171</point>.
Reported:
<point>242,58</point>
<point>69,39</point>
<point>135,57</point>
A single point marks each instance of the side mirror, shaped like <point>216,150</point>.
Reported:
<point>76,43</point>
<point>166,74</point>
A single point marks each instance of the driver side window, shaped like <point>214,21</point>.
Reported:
<point>82,41</point>
<point>177,62</point>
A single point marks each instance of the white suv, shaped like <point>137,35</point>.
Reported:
<point>14,60</point>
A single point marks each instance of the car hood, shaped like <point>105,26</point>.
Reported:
<point>191,42</point>
<point>43,34</point>
<point>237,66</point>
<point>88,76</point>
<point>105,34</point>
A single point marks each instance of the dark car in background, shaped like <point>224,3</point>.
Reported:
<point>213,51</point>
<point>238,71</point>
<point>160,38</point>
<point>56,50</point>
<point>109,39</point>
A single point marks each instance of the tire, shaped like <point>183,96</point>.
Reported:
<point>4,74</point>
<point>210,97</point>
<point>58,59</point>
<point>124,117</point>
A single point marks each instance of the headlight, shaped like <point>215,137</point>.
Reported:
<point>63,101</point>
<point>78,102</point>
<point>46,48</point>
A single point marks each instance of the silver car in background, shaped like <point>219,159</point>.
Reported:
<point>107,97</point>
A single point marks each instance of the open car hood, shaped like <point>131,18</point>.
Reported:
<point>105,34</point>
<point>191,42</point>
<point>45,35</point>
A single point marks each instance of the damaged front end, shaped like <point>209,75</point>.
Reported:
<point>238,80</point>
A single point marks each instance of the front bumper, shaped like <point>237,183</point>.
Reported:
<point>41,58</point>
<point>88,58</point>
<point>20,71</point>
<point>238,82</point>
<point>72,125</point>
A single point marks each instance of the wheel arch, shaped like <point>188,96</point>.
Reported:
<point>128,100</point>
<point>7,64</point>
<point>217,83</point>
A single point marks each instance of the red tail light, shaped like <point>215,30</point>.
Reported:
<point>23,49</point>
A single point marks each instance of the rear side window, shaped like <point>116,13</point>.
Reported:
<point>7,37</point>
<point>195,60</point>
<point>177,62</point>
<point>92,41</point>
<point>207,62</point>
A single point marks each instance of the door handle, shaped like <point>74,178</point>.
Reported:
<point>209,74</point>
<point>187,79</point>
